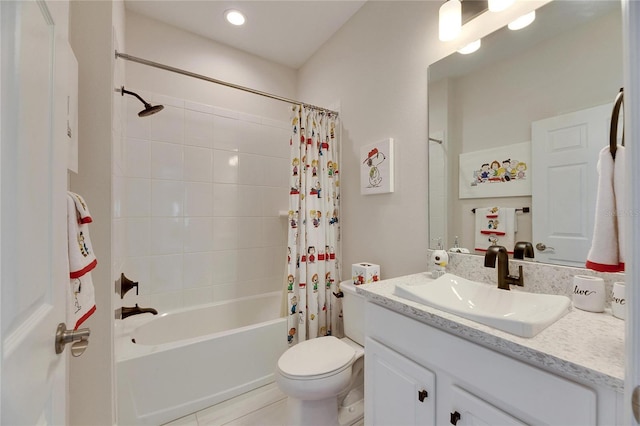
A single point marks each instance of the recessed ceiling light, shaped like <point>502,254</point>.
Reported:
<point>234,17</point>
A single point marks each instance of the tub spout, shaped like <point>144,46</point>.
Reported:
<point>136,310</point>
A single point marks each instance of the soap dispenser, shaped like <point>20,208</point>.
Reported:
<point>439,260</point>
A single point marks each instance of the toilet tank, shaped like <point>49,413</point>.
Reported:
<point>352,312</point>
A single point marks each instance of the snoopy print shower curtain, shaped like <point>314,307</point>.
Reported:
<point>313,271</point>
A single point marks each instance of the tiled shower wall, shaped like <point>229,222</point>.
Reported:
<point>199,193</point>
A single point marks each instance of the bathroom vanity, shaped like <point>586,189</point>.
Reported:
<point>425,366</point>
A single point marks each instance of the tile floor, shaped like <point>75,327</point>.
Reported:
<point>264,406</point>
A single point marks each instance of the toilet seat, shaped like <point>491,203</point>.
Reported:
<point>316,359</point>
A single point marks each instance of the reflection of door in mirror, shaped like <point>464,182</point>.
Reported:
<point>565,148</point>
<point>568,60</point>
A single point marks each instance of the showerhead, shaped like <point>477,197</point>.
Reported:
<point>148,108</point>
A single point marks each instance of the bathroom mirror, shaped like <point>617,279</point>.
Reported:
<point>568,60</point>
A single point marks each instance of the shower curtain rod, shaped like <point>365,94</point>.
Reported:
<point>214,80</point>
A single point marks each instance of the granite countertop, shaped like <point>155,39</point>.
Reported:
<point>583,345</point>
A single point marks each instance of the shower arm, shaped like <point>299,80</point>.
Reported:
<point>123,91</point>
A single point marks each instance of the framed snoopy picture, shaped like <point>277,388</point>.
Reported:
<point>376,168</point>
<point>496,172</point>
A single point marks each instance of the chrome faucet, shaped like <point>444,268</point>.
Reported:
<point>499,254</point>
<point>136,310</point>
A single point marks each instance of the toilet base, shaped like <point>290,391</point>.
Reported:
<point>323,412</point>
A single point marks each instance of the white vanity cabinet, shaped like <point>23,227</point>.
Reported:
<point>466,384</point>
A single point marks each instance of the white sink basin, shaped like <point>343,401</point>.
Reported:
<point>519,313</point>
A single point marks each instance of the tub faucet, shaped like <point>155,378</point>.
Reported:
<point>499,255</point>
<point>136,310</point>
<point>126,284</point>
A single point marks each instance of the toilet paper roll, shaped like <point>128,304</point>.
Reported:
<point>588,293</point>
<point>618,301</point>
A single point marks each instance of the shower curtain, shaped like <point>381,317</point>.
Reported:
<point>313,270</point>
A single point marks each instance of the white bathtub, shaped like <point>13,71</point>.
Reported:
<point>187,360</point>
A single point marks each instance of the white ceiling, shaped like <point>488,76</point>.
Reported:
<point>287,32</point>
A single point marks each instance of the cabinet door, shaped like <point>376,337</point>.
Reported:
<point>397,390</point>
<point>468,409</point>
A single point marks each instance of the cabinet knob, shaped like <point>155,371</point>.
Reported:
<point>455,416</point>
<point>422,394</point>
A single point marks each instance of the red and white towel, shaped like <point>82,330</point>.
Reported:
<point>80,292</point>
<point>607,246</point>
<point>495,226</point>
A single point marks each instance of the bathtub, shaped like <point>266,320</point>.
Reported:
<point>187,360</point>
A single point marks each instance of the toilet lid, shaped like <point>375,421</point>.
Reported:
<point>316,357</point>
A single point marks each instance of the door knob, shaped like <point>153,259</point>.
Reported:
<point>422,394</point>
<point>543,247</point>
<point>80,339</point>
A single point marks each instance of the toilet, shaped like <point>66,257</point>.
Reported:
<point>323,378</point>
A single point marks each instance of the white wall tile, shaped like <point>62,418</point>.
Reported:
<point>225,200</point>
<point>198,164</point>
<point>225,266</point>
<point>166,273</point>
<point>250,232</point>
<point>166,161</point>
<point>198,234</point>
<point>225,233</point>
<point>197,296</point>
<point>198,129</point>
<point>277,172</point>
<point>251,169</point>
<point>225,166</point>
<point>251,262</point>
<point>167,198</point>
<point>225,133</point>
<point>167,235</point>
<point>197,270</point>
<point>137,237</point>
<point>249,201</point>
<point>198,199</point>
<point>138,158</point>
<point>137,199</point>
<point>274,200</point>
<point>274,231</point>
<point>168,125</point>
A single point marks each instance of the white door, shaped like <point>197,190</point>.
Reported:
<point>565,152</point>
<point>32,216</point>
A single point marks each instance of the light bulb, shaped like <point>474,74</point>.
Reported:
<point>499,5</point>
<point>450,20</point>
<point>234,17</point>
<point>523,21</point>
<point>471,47</point>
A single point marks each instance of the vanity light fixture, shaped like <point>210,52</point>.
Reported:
<point>234,17</point>
<point>471,47</point>
<point>499,5</point>
<point>523,21</point>
<point>450,20</point>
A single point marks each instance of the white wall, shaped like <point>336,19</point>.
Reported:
<point>90,36</point>
<point>376,67</point>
